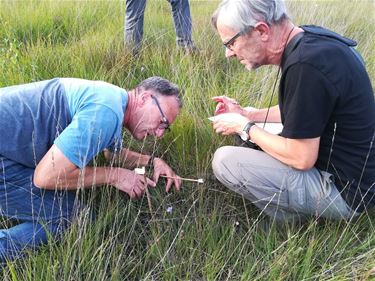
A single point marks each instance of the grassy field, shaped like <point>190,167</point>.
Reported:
<point>204,232</point>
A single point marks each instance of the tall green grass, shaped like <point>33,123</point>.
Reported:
<point>211,233</point>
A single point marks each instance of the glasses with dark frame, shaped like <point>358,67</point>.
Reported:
<point>164,123</point>
<point>230,42</point>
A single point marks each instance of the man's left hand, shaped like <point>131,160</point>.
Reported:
<point>229,123</point>
<point>162,168</point>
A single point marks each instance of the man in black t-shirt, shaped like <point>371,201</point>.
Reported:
<point>323,161</point>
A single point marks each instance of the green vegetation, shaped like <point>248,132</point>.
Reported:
<point>211,233</point>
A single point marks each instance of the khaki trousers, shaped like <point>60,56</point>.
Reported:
<point>282,192</point>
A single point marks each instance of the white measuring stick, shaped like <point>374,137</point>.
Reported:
<point>141,171</point>
<point>184,179</point>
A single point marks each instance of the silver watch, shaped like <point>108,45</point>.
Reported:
<point>245,131</point>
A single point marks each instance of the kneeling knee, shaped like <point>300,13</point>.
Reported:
<point>220,157</point>
<point>224,166</point>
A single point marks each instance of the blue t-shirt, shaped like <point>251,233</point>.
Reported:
<point>81,117</point>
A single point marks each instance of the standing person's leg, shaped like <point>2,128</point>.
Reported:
<point>182,23</point>
<point>134,17</point>
<point>40,213</point>
<point>277,189</point>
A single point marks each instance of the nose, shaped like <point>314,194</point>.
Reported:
<point>229,53</point>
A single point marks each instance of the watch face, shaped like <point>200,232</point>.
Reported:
<point>244,136</point>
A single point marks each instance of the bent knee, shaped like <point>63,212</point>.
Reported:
<point>224,166</point>
<point>221,156</point>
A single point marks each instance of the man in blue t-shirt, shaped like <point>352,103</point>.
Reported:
<point>323,162</point>
<point>51,130</point>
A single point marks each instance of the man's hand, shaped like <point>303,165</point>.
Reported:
<point>162,168</point>
<point>229,123</point>
<point>227,105</point>
<point>131,183</point>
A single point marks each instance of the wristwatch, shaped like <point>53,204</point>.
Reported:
<point>245,131</point>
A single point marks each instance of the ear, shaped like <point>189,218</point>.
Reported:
<point>144,97</point>
<point>263,29</point>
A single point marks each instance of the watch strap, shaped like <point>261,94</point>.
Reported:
<point>247,128</point>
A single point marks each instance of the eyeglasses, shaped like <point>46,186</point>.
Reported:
<point>164,123</point>
<point>230,42</point>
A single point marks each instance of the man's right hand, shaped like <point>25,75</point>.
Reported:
<point>131,183</point>
<point>227,105</point>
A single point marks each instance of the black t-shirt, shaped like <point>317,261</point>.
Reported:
<point>325,92</point>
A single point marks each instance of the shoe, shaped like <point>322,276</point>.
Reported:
<point>192,50</point>
<point>189,50</point>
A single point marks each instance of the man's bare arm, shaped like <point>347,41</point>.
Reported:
<point>297,153</point>
<point>259,115</point>
<point>56,171</point>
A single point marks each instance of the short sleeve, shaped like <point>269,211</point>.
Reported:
<point>307,102</point>
<point>92,129</point>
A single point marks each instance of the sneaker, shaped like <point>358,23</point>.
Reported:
<point>189,49</point>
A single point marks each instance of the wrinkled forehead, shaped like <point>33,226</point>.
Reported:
<point>228,16</point>
<point>222,21</point>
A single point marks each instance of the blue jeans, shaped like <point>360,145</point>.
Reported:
<point>41,214</point>
<point>134,16</point>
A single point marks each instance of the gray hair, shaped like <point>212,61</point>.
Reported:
<point>243,14</point>
<point>161,86</point>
